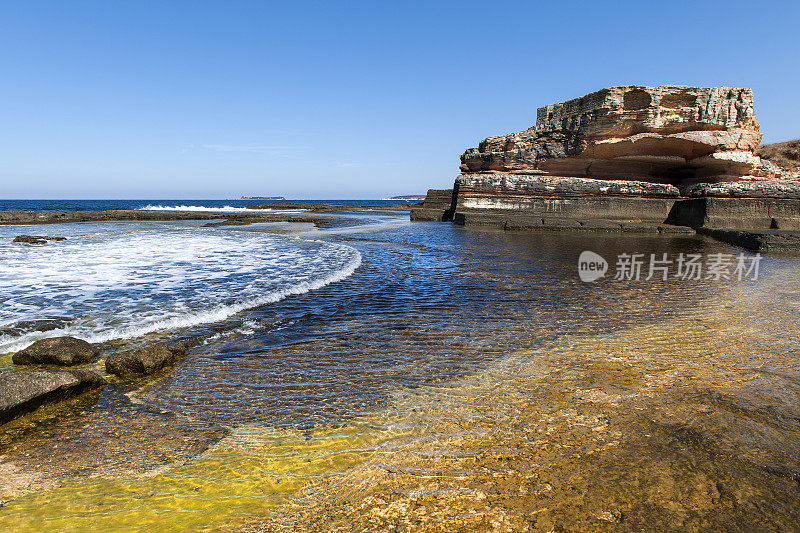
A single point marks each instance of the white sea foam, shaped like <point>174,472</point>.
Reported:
<point>113,285</point>
<point>223,209</point>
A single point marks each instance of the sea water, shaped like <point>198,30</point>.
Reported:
<point>113,281</point>
<point>454,378</point>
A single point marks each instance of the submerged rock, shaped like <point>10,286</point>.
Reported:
<point>23,392</point>
<point>144,361</point>
<point>64,351</point>
<point>758,240</point>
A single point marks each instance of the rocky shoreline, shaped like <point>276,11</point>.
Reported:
<point>319,214</point>
<point>59,370</point>
<point>39,376</point>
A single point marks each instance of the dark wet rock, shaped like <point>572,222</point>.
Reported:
<point>437,206</point>
<point>422,214</point>
<point>146,360</point>
<point>58,217</point>
<point>38,239</point>
<point>232,222</point>
<point>64,351</point>
<point>785,223</point>
<point>757,240</point>
<point>21,327</point>
<point>30,239</point>
<point>745,213</point>
<point>23,392</point>
<point>519,222</point>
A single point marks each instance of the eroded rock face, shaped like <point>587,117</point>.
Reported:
<point>669,134</point>
<point>745,189</point>
<point>436,207</point>
<point>144,361</point>
<point>521,184</point>
<point>64,351</point>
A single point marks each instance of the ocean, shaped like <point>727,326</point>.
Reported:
<point>183,205</point>
<point>347,375</point>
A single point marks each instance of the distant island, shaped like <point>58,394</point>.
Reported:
<point>262,198</point>
<point>409,197</point>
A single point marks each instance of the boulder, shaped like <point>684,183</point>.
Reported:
<point>23,392</point>
<point>684,155</point>
<point>64,351</point>
<point>144,361</point>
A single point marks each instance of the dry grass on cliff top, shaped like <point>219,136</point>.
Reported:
<point>786,154</point>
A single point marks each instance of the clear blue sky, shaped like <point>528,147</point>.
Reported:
<point>206,99</point>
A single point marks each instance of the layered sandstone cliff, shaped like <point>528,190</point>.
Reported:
<point>669,134</point>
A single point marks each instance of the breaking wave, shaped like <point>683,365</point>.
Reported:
<point>124,284</point>
<point>204,209</point>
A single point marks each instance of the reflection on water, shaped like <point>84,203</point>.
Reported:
<point>458,380</point>
<point>633,430</point>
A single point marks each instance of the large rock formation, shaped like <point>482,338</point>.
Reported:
<point>669,134</point>
<point>629,154</point>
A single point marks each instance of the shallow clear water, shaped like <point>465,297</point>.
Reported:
<point>457,378</point>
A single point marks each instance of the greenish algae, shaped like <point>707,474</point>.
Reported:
<point>248,472</point>
<point>44,415</point>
